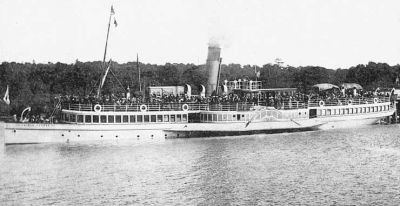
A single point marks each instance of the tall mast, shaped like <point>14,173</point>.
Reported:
<point>105,51</point>
<point>108,32</point>
<point>137,65</point>
<point>103,79</point>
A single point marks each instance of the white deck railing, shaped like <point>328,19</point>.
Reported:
<point>347,101</point>
<point>284,104</point>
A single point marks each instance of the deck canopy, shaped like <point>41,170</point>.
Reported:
<point>325,86</point>
<point>267,90</point>
<point>351,86</point>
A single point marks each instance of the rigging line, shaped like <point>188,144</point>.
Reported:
<point>98,81</point>
<point>95,85</point>
<point>117,80</point>
<point>103,78</point>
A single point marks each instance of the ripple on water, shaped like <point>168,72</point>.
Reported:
<point>354,166</point>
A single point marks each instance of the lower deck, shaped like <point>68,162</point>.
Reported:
<point>349,110</point>
<point>123,118</point>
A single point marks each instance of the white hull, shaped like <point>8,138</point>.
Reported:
<point>352,121</point>
<point>232,128</point>
<point>28,133</point>
<point>33,133</point>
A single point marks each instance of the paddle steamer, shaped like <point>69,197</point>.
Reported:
<point>259,112</point>
<point>155,122</point>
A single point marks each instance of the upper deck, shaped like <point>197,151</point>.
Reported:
<point>191,107</point>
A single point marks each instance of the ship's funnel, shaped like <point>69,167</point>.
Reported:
<point>213,58</point>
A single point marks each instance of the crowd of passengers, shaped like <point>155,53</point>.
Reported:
<point>340,97</point>
<point>165,99</point>
<point>276,99</point>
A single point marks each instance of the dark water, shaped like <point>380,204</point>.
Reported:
<point>336,167</point>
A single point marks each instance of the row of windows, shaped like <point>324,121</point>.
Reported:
<point>224,117</point>
<point>123,118</point>
<point>360,110</point>
<point>321,112</point>
<point>247,117</point>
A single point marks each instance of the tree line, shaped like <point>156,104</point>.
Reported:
<point>37,85</point>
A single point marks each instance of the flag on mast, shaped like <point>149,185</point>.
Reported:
<point>115,22</point>
<point>113,13</point>
<point>112,10</point>
<point>6,97</point>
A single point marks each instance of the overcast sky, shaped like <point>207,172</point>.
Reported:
<point>328,33</point>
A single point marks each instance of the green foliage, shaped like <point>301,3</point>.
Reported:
<point>36,85</point>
